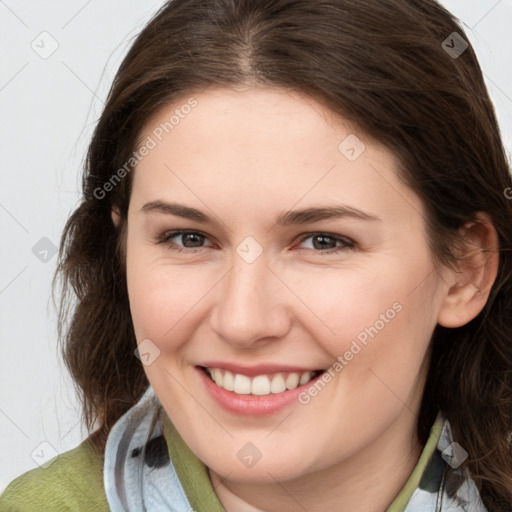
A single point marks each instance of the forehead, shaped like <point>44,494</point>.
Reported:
<point>264,147</point>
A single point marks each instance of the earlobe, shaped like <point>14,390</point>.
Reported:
<point>114,214</point>
<point>470,285</point>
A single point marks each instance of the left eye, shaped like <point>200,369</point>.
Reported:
<point>324,241</point>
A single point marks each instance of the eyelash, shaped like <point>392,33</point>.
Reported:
<point>165,237</point>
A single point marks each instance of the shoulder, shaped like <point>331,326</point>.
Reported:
<point>72,481</point>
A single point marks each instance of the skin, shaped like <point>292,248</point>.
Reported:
<point>244,156</point>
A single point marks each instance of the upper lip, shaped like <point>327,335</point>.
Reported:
<point>260,369</point>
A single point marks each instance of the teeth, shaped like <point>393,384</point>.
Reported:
<point>242,385</point>
<point>261,384</point>
<point>229,381</point>
<point>278,385</point>
<point>292,381</point>
<point>305,377</point>
<point>217,376</point>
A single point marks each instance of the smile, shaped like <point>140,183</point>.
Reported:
<point>265,384</point>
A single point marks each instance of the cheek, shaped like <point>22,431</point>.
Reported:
<point>370,318</point>
<point>163,298</point>
<point>338,304</point>
<point>385,358</point>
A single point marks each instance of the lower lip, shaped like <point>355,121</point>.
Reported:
<point>253,405</point>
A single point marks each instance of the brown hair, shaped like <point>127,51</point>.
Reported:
<point>378,63</point>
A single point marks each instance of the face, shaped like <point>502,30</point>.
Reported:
<point>235,263</point>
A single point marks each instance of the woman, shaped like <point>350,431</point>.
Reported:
<point>228,356</point>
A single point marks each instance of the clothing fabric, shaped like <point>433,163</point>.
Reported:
<point>148,466</point>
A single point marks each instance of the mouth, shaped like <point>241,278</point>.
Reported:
<point>259,385</point>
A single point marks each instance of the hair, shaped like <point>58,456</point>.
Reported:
<point>381,65</point>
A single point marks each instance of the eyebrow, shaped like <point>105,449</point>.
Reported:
<point>292,217</point>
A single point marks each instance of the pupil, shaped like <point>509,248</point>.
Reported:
<point>321,237</point>
<point>187,237</point>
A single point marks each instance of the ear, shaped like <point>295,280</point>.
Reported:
<point>470,285</point>
<point>116,217</point>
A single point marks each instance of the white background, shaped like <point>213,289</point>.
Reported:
<point>48,107</point>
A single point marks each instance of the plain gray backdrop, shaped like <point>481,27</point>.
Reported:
<point>58,59</point>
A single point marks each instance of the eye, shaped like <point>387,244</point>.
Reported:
<point>322,241</point>
<point>190,239</point>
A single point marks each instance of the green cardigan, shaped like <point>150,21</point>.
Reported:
<point>74,480</point>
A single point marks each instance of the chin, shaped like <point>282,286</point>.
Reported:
<point>261,472</point>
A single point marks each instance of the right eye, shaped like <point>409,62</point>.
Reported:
<point>195,238</point>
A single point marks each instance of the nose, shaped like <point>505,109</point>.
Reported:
<point>250,305</point>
